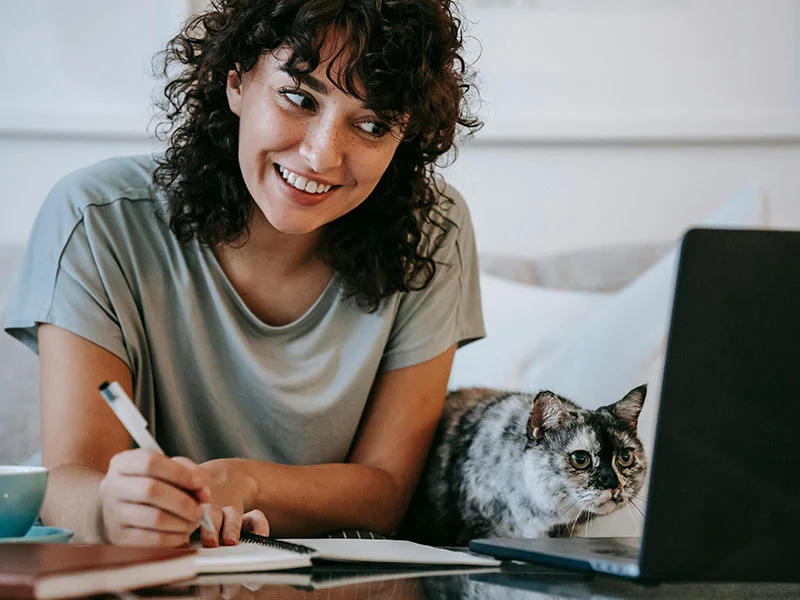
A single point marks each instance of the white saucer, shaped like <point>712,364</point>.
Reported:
<point>40,535</point>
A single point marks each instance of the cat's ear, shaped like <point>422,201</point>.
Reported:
<point>547,413</point>
<point>629,408</point>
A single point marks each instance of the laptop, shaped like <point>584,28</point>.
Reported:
<point>724,493</point>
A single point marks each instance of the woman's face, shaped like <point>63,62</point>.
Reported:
<point>308,155</point>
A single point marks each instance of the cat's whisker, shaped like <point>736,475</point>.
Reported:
<point>633,519</point>
<point>638,510</point>
<point>572,529</point>
<point>634,498</point>
<point>588,521</point>
<point>575,522</point>
<point>565,511</point>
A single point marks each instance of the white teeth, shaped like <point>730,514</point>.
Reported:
<point>301,183</point>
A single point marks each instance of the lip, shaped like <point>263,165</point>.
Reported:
<point>306,175</point>
<point>302,198</point>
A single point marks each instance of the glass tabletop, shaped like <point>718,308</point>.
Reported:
<point>512,581</point>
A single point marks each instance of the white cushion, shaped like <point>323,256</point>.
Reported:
<point>523,323</point>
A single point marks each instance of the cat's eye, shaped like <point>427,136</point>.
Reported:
<point>580,459</point>
<point>625,458</point>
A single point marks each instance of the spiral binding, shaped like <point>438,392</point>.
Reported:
<point>254,538</point>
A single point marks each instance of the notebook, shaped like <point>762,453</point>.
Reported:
<point>257,553</point>
<point>44,571</point>
<point>723,493</point>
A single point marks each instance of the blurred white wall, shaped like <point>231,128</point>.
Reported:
<point>607,121</point>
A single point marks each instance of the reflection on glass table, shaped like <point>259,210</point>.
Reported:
<point>513,581</point>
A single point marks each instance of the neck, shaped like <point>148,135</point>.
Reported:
<point>274,252</point>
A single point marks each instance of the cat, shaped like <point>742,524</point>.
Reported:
<point>509,464</point>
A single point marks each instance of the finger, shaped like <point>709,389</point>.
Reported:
<point>210,539</point>
<point>135,536</point>
<point>229,591</point>
<point>145,490</point>
<point>145,516</point>
<point>231,525</point>
<point>142,462</point>
<point>208,592</point>
<point>255,521</point>
<point>200,477</point>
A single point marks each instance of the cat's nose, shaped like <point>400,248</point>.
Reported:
<point>616,492</point>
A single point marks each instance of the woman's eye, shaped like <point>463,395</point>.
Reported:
<point>299,99</point>
<point>580,460</point>
<point>374,128</point>
<point>625,458</point>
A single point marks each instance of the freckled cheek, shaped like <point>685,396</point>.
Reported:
<point>368,169</point>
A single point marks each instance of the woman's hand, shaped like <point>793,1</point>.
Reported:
<point>232,492</point>
<point>148,499</point>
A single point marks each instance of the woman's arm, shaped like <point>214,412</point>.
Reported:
<point>105,492</point>
<point>372,489</point>
<point>97,486</point>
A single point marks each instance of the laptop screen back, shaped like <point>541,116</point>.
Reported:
<point>724,498</point>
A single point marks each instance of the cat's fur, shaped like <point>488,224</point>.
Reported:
<point>500,466</point>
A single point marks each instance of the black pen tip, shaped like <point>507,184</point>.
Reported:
<point>103,385</point>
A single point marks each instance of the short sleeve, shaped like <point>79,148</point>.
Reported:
<point>448,310</point>
<point>59,281</point>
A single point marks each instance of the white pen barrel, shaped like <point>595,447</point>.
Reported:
<point>130,416</point>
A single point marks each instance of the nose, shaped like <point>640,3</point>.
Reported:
<point>323,146</point>
<point>607,479</point>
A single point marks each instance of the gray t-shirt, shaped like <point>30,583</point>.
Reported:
<point>212,379</point>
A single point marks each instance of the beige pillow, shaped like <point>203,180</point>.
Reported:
<point>591,270</point>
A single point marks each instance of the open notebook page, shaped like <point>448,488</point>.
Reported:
<point>246,557</point>
<point>390,552</point>
<point>256,557</point>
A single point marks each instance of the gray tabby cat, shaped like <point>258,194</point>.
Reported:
<point>509,464</point>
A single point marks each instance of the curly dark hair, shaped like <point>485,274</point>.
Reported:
<point>402,58</point>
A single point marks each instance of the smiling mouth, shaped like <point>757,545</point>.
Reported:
<point>301,183</point>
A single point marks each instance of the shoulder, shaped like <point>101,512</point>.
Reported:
<point>453,205</point>
<point>451,217</point>
<point>102,184</point>
<point>99,184</point>
<point>109,179</point>
<point>450,227</point>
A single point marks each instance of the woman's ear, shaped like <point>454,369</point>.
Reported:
<point>233,90</point>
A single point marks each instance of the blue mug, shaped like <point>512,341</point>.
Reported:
<point>21,496</point>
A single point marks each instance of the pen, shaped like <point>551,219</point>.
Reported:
<point>136,425</point>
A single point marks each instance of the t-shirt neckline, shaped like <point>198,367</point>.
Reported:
<point>322,302</point>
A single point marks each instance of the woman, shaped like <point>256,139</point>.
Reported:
<point>281,292</point>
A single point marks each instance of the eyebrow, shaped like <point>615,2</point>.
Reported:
<point>314,83</point>
<point>311,81</point>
